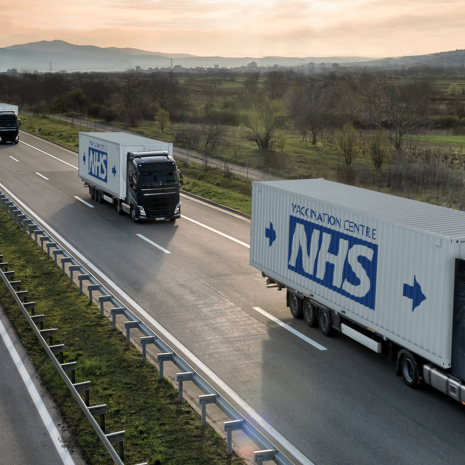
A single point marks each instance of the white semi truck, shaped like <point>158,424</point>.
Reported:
<point>136,174</point>
<point>386,271</point>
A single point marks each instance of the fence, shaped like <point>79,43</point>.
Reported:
<point>268,451</point>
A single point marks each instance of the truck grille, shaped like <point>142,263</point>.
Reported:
<point>162,206</point>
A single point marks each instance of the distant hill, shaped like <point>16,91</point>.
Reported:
<point>63,56</point>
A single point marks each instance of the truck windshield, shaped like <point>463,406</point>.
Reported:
<point>152,179</point>
<point>9,121</point>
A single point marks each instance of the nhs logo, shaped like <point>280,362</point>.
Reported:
<point>342,263</point>
<point>98,164</point>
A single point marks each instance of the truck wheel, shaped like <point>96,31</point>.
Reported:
<point>100,196</point>
<point>324,321</point>
<point>118,208</point>
<point>295,304</point>
<point>310,313</point>
<point>409,370</point>
<point>92,192</point>
<point>133,215</point>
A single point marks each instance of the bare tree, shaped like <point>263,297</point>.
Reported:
<point>212,131</point>
<point>162,118</point>
<point>264,120</point>
<point>398,107</point>
<point>379,148</point>
<point>347,141</point>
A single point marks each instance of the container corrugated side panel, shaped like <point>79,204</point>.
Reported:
<point>405,256</point>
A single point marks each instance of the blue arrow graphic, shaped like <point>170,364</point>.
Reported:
<point>84,158</point>
<point>114,171</point>
<point>414,292</point>
<point>270,233</point>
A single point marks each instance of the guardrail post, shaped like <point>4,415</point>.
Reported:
<point>38,319</point>
<point>48,333</point>
<point>229,427</point>
<point>84,386</point>
<point>161,358</point>
<point>128,325</point>
<point>4,266</point>
<point>65,260</point>
<point>30,306</point>
<point>48,246</point>
<point>42,240</point>
<point>143,342</point>
<point>26,222</point>
<point>37,233</point>
<point>90,289</point>
<point>22,294</point>
<point>15,284</point>
<point>70,366</point>
<point>55,255</point>
<point>82,277</point>
<point>203,401</point>
<point>180,378</point>
<point>119,438</point>
<point>58,349</point>
<point>101,300</point>
<point>99,410</point>
<point>116,311</point>
<point>261,456</point>
<point>73,268</point>
<point>32,227</point>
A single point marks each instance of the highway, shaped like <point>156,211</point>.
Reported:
<point>323,401</point>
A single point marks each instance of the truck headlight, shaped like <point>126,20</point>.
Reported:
<point>178,207</point>
<point>142,211</point>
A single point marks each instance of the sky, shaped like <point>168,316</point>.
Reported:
<point>239,28</point>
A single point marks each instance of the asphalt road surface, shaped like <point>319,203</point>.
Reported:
<point>341,405</point>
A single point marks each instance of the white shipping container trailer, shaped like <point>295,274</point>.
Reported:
<point>8,107</point>
<point>387,271</point>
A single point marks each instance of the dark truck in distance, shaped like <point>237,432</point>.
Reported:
<point>136,174</point>
<point>9,123</point>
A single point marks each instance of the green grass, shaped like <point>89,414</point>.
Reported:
<point>454,141</point>
<point>159,429</point>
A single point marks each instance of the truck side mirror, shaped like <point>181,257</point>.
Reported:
<point>181,179</point>
<point>19,122</point>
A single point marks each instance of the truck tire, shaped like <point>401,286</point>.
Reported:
<point>92,192</point>
<point>409,370</point>
<point>99,196</point>
<point>324,322</point>
<point>118,208</point>
<point>134,217</point>
<point>310,313</point>
<point>295,305</point>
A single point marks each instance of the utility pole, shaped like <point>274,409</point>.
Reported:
<point>50,67</point>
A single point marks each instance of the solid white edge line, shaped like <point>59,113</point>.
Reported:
<point>166,334</point>
<point>42,176</point>
<point>290,329</point>
<point>153,243</point>
<point>39,404</point>
<point>49,155</point>
<point>83,201</point>
<point>13,158</point>
<point>216,231</point>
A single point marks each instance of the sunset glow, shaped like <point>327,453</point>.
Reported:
<point>371,28</point>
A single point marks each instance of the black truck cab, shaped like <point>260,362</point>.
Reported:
<point>153,186</point>
<point>9,126</point>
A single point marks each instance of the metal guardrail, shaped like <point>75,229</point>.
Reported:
<point>268,451</point>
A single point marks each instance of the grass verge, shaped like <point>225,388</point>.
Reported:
<point>159,429</point>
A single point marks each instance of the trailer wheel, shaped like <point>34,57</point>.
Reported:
<point>118,208</point>
<point>409,369</point>
<point>295,304</point>
<point>310,313</point>
<point>324,321</point>
<point>99,196</point>
<point>92,192</point>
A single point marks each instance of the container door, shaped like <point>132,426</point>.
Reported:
<point>458,329</point>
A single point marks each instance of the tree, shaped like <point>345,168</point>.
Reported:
<point>454,90</point>
<point>251,83</point>
<point>347,141</point>
<point>264,120</point>
<point>379,147</point>
<point>309,110</point>
<point>212,131</point>
<point>276,84</point>
<point>162,118</point>
<point>398,107</point>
